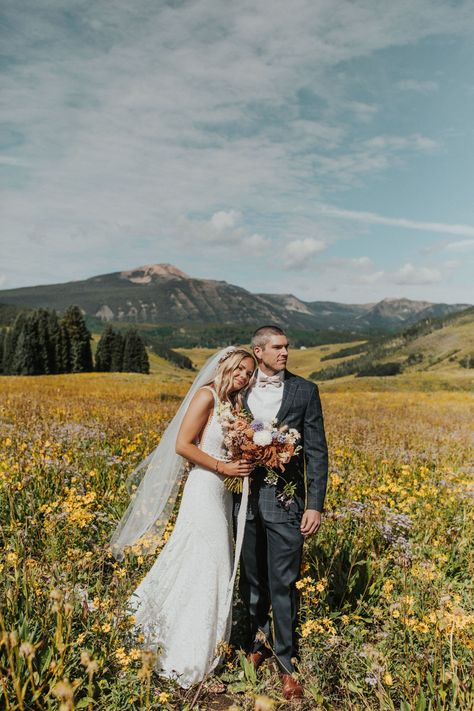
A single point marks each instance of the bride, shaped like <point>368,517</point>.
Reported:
<point>183,606</point>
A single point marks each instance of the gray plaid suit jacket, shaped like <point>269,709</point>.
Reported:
<point>300,408</point>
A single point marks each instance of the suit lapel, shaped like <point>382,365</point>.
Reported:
<point>290,385</point>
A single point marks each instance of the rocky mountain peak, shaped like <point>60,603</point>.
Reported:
<point>146,273</point>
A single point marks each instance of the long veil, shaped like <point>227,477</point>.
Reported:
<point>160,476</point>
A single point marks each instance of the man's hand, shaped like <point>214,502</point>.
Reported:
<point>310,522</point>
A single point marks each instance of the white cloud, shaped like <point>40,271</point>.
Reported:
<point>362,111</point>
<point>422,87</point>
<point>371,218</point>
<point>256,244</point>
<point>356,264</point>
<point>464,245</point>
<point>410,274</point>
<point>225,220</point>
<point>362,261</point>
<point>372,156</point>
<point>14,161</point>
<point>223,231</point>
<point>300,251</point>
<point>371,278</point>
<point>415,141</point>
<point>350,271</point>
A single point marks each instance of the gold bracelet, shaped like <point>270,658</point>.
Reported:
<point>216,468</point>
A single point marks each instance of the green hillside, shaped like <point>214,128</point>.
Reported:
<point>432,352</point>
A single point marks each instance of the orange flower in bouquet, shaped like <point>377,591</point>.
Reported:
<point>263,443</point>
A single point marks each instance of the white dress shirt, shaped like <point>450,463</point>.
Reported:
<point>264,402</point>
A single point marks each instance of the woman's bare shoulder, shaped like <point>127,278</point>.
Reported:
<point>203,397</point>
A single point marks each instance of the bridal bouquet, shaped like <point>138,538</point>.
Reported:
<point>264,443</point>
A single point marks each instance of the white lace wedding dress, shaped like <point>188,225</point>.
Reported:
<point>184,604</point>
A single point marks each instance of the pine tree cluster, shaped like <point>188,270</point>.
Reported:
<point>116,352</point>
<point>39,343</point>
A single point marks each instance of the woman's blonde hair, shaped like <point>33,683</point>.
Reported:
<point>223,380</point>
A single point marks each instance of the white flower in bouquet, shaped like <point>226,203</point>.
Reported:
<point>225,413</point>
<point>262,438</point>
<point>294,435</point>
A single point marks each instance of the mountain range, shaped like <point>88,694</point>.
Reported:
<point>163,294</point>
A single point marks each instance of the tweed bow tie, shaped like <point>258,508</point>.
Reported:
<point>265,380</point>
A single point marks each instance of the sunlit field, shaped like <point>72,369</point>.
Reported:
<point>387,613</point>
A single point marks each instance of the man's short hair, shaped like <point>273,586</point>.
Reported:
<point>263,334</point>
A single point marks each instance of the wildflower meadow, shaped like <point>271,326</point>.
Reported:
<point>387,604</point>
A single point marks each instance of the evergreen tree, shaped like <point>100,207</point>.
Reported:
<point>54,332</point>
<point>80,338</point>
<point>144,360</point>
<point>64,350</point>
<point>135,358</point>
<point>40,321</point>
<point>5,346</point>
<point>26,360</point>
<point>3,335</point>
<point>104,352</point>
<point>10,343</point>
<point>116,364</point>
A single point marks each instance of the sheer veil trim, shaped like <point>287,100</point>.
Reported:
<point>159,477</point>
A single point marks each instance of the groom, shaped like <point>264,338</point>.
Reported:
<point>275,530</point>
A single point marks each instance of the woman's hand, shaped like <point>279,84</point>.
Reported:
<point>239,468</point>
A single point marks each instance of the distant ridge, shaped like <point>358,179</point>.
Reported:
<point>163,294</point>
<point>443,344</point>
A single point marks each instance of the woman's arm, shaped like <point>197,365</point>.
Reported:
<point>193,423</point>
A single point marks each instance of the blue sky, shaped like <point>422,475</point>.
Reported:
<point>317,147</point>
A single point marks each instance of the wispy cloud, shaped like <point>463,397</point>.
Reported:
<point>371,218</point>
<point>422,87</point>
<point>415,142</point>
<point>464,245</point>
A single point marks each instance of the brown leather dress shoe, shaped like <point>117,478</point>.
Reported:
<point>256,658</point>
<point>292,689</point>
